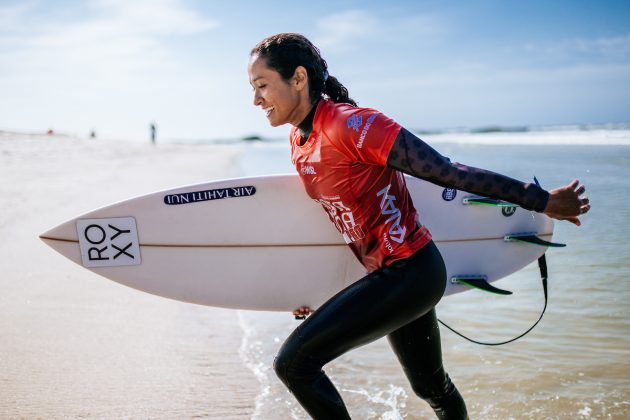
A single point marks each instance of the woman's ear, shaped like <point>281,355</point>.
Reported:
<point>300,77</point>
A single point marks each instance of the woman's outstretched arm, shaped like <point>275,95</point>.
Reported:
<point>413,156</point>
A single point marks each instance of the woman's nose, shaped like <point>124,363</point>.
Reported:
<point>257,98</point>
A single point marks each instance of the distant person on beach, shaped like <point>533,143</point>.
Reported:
<point>351,160</point>
<point>153,132</point>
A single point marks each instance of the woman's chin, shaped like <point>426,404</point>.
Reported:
<point>274,122</point>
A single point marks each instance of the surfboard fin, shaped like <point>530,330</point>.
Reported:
<point>481,283</point>
<point>531,238</point>
<point>485,201</point>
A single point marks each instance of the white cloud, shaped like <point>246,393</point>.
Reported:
<point>11,15</point>
<point>608,47</point>
<point>163,17</point>
<point>419,28</point>
<point>617,46</point>
<point>341,31</point>
<point>118,38</point>
<point>481,76</point>
<point>352,30</point>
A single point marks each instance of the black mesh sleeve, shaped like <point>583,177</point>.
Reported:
<point>413,156</point>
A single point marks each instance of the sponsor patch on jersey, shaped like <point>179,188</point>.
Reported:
<point>343,219</point>
<point>355,122</point>
<point>368,124</point>
<point>308,170</point>
<point>394,217</point>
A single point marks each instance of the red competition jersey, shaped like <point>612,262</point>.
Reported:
<point>343,166</point>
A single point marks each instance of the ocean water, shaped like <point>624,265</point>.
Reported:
<point>574,364</point>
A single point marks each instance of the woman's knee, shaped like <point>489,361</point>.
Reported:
<point>292,364</point>
<point>281,365</point>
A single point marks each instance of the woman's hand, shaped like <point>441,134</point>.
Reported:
<point>302,312</point>
<point>567,203</point>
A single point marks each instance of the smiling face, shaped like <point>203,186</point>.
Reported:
<point>283,101</point>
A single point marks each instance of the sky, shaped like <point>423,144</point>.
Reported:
<point>114,66</point>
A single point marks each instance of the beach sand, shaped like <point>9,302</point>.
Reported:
<point>77,345</point>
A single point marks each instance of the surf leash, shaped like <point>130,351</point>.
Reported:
<point>542,265</point>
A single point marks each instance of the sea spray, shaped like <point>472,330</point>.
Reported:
<point>394,399</point>
<point>249,352</point>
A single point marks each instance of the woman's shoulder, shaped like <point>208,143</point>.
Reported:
<point>342,109</point>
<point>333,117</point>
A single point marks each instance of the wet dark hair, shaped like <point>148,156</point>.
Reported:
<point>286,51</point>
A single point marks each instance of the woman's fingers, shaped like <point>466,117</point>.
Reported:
<point>567,203</point>
<point>303,311</point>
<point>574,220</point>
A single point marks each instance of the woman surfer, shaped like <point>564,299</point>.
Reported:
<point>351,160</point>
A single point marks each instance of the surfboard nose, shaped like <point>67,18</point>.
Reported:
<point>49,241</point>
<point>65,232</point>
<point>44,236</point>
<point>64,240</point>
<point>48,235</point>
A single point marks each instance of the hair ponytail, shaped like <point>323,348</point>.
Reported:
<point>337,92</point>
<point>285,52</point>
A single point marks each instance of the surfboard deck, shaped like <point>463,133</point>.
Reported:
<point>261,243</point>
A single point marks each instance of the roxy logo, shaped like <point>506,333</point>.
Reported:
<point>108,242</point>
<point>388,208</point>
<point>355,122</point>
<point>365,130</point>
<point>308,170</point>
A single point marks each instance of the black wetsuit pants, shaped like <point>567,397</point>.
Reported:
<point>397,301</point>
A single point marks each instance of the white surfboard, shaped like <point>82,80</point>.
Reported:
<point>261,243</point>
